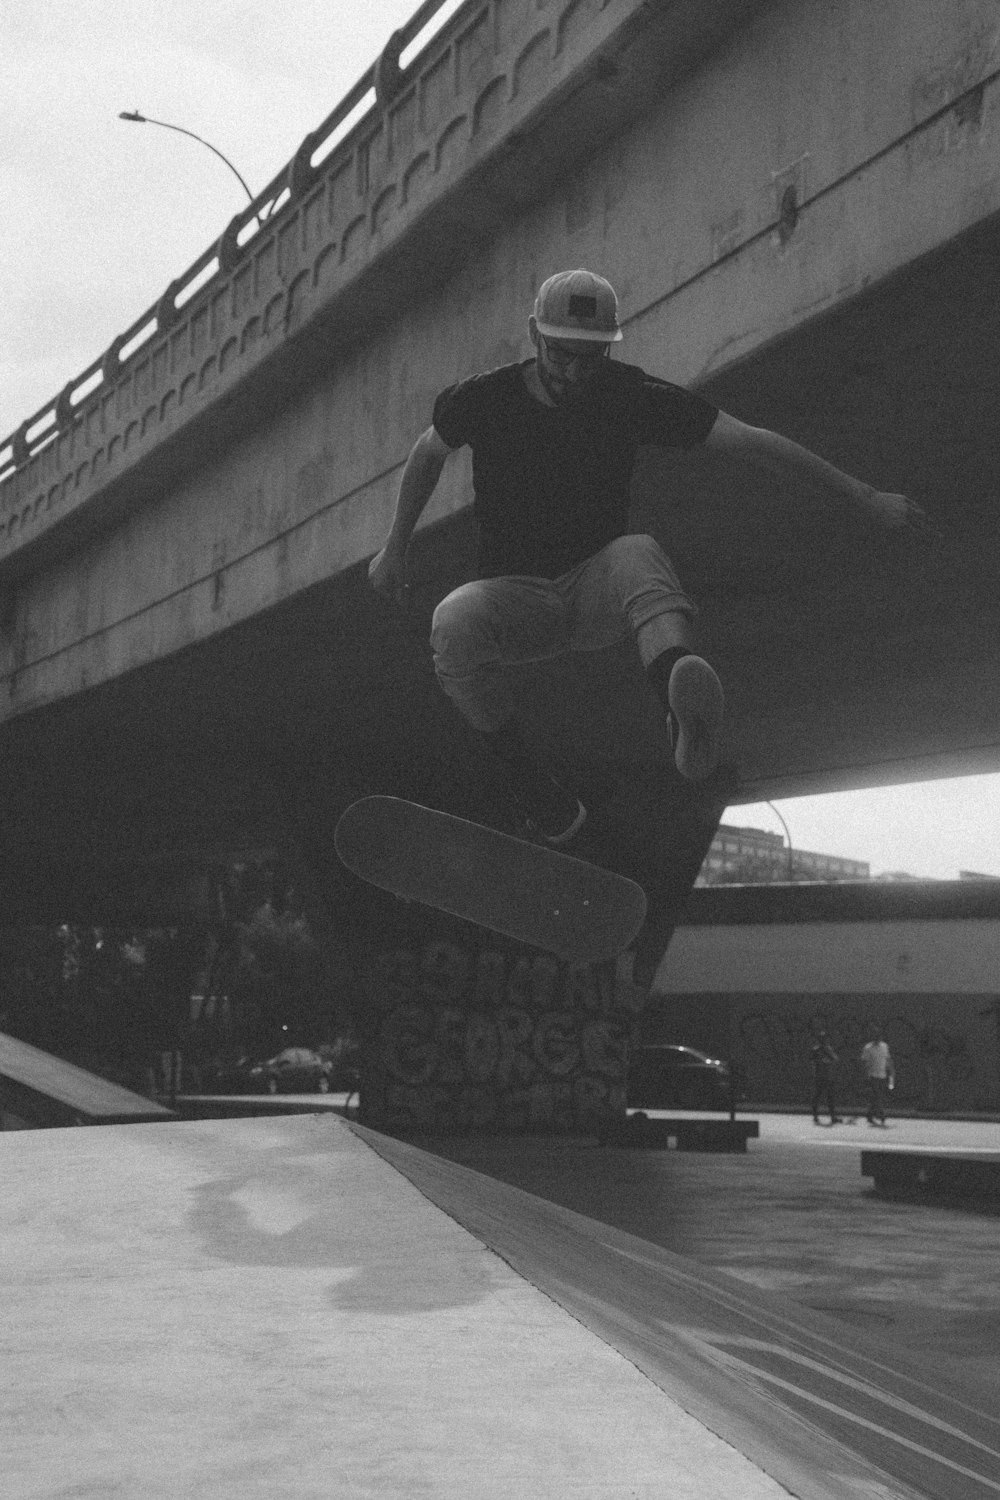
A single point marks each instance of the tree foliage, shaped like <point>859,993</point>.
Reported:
<point>247,981</point>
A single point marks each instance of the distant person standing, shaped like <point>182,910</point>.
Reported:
<point>824,1061</point>
<point>880,1074</point>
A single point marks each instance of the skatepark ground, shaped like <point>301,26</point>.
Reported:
<point>795,1217</point>
<point>294,1306</point>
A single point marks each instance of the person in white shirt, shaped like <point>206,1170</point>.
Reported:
<point>880,1074</point>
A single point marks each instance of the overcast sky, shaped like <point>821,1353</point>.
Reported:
<point>99,215</point>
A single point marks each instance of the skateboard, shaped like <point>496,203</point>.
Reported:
<point>577,910</point>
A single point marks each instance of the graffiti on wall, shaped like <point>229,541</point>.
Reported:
<point>464,1039</point>
<point>940,1064</point>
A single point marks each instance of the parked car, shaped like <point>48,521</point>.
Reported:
<point>233,1077</point>
<point>296,1070</point>
<point>665,1074</point>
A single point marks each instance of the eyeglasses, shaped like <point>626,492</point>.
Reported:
<point>563,358</point>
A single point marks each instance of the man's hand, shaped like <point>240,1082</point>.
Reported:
<point>387,573</point>
<point>897,513</point>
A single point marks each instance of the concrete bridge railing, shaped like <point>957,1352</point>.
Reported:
<point>335,243</point>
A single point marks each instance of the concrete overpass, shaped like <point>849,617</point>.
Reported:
<point>799,202</point>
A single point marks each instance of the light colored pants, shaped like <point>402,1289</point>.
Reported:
<point>628,588</point>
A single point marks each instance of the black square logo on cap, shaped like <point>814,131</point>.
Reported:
<point>582,307</point>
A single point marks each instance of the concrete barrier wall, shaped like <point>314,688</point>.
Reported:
<point>759,990</point>
<point>801,957</point>
<point>946,1046</point>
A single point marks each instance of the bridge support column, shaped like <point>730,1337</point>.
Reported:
<point>466,1033</point>
<point>461,1030</point>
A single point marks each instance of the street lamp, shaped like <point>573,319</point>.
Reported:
<point>136,118</point>
<point>791,865</point>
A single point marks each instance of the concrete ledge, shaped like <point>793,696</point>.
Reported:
<point>688,1134</point>
<point>39,1090</point>
<point>934,1176</point>
<point>249,1107</point>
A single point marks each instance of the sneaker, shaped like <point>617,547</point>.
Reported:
<point>550,811</point>
<point>695,719</point>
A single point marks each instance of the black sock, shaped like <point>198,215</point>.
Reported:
<point>659,669</point>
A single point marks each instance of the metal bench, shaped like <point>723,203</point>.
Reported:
<point>639,1129</point>
<point>934,1176</point>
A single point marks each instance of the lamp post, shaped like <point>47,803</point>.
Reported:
<point>791,865</point>
<point>136,118</point>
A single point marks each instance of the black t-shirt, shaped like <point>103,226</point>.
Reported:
<point>552,482</point>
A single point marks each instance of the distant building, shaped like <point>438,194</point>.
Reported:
<point>752,856</point>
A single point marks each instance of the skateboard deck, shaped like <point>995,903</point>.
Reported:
<point>539,896</point>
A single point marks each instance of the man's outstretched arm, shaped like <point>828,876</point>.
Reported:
<point>788,460</point>
<point>387,569</point>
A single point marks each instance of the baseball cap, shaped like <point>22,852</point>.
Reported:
<point>578,305</point>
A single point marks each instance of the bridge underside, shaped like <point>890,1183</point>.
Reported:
<point>850,659</point>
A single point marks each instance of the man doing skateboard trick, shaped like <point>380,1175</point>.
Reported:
<point>554,440</point>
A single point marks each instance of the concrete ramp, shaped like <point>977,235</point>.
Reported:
<point>296,1307</point>
<point>38,1088</point>
<point>824,1410</point>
